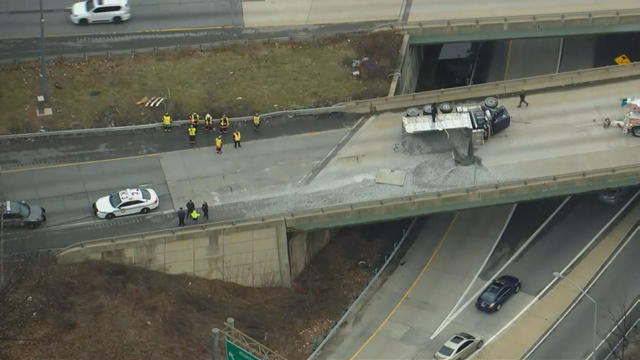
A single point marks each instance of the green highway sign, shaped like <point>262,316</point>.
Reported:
<point>235,352</point>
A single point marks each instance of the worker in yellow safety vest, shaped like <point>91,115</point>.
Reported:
<point>191,130</point>
<point>236,139</point>
<point>218,143</point>
<point>166,122</point>
<point>256,122</point>
<point>194,215</point>
<point>224,124</point>
<point>208,122</point>
<point>194,118</point>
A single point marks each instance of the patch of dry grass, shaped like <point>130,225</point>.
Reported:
<point>236,80</point>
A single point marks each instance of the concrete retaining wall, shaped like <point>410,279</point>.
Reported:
<point>251,255</point>
<point>304,245</point>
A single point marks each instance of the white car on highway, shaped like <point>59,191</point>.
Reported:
<point>100,11</point>
<point>126,202</point>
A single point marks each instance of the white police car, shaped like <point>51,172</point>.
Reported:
<point>126,202</point>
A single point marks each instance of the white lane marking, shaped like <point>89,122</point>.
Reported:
<point>553,281</point>
<point>513,257</point>
<point>613,329</point>
<point>477,274</point>
<point>579,297</point>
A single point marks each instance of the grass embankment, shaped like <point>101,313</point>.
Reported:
<point>236,80</point>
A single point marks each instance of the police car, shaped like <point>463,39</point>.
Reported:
<point>126,202</point>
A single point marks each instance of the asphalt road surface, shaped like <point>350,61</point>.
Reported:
<point>407,326</point>
<point>614,291</point>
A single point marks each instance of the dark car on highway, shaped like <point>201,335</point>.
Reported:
<point>496,294</point>
<point>20,213</point>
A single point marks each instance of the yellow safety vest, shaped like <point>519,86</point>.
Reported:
<point>208,119</point>
<point>195,214</point>
<point>192,131</point>
<point>236,136</point>
<point>166,119</point>
<point>218,142</point>
<point>256,120</point>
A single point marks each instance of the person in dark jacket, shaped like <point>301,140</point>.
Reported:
<point>181,215</point>
<point>205,210</point>
<point>190,206</point>
<point>522,100</point>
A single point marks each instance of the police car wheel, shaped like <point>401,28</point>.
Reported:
<point>117,19</point>
<point>83,21</point>
<point>109,216</point>
<point>144,210</point>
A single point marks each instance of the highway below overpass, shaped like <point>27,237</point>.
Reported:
<point>615,292</point>
<point>276,176</point>
<point>171,23</point>
<point>21,18</point>
<point>455,256</point>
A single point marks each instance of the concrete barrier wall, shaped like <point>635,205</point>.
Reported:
<point>501,88</point>
<point>303,246</point>
<point>479,196</point>
<point>251,255</point>
<point>519,26</point>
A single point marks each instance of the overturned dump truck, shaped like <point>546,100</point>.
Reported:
<point>484,120</point>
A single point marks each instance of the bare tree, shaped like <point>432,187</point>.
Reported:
<point>623,320</point>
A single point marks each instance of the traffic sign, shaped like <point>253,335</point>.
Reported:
<point>235,352</point>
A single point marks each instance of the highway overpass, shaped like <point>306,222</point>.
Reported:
<point>556,146</point>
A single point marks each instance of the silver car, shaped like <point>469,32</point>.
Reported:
<point>459,347</point>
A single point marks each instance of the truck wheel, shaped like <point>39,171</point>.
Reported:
<point>636,131</point>
<point>491,102</point>
<point>445,108</point>
<point>109,216</point>
<point>414,112</point>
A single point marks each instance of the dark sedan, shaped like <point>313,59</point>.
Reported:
<point>496,294</point>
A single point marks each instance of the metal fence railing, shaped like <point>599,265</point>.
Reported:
<point>371,285</point>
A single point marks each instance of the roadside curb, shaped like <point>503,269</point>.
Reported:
<point>517,339</point>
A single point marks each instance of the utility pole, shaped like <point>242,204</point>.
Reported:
<point>1,246</point>
<point>43,74</point>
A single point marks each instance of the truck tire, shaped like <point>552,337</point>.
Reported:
<point>491,102</point>
<point>414,111</point>
<point>427,109</point>
<point>445,108</point>
<point>635,131</point>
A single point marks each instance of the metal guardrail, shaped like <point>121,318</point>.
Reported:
<point>512,19</point>
<point>362,294</point>
<point>500,88</point>
<point>113,129</point>
<point>630,170</point>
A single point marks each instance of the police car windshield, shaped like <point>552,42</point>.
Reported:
<point>89,5</point>
<point>114,200</point>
